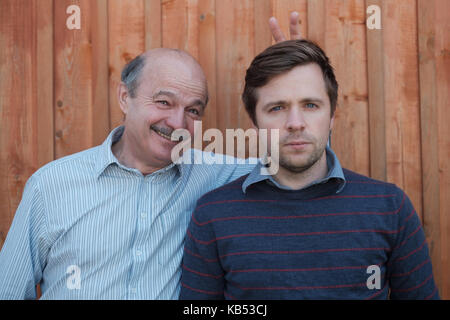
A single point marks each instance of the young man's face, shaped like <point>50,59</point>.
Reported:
<point>296,103</point>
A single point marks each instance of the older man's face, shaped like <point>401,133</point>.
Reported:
<point>171,95</point>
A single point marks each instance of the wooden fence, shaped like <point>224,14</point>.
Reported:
<point>58,86</point>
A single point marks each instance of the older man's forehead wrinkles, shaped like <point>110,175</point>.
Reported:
<point>191,87</point>
<point>164,93</point>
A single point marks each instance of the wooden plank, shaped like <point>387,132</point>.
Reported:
<point>207,57</point>
<point>100,125</point>
<point>126,38</point>
<point>442,56</point>
<point>235,50</point>
<point>429,137</point>
<point>434,69</point>
<point>18,158</point>
<point>401,87</point>
<point>345,45</point>
<point>192,28</point>
<point>44,81</point>
<point>180,25</point>
<point>317,21</point>
<point>81,87</point>
<point>377,125</point>
<point>263,37</point>
<point>174,23</point>
<point>235,45</point>
<point>71,96</point>
<point>153,36</point>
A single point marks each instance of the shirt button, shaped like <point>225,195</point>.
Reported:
<point>133,290</point>
<point>138,252</point>
<point>143,215</point>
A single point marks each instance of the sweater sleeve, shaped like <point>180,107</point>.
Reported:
<point>202,275</point>
<point>409,267</point>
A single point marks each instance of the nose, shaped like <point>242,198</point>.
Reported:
<point>295,120</point>
<point>177,119</point>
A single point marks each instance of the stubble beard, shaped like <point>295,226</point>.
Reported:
<point>290,165</point>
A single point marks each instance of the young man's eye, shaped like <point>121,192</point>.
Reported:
<point>276,108</point>
<point>311,105</point>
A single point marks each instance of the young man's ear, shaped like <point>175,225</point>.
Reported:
<point>122,95</point>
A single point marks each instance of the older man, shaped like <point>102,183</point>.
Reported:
<point>109,222</point>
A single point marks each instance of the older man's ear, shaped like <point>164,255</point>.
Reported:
<point>294,28</point>
<point>122,95</point>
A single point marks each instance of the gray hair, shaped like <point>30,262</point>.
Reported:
<point>130,74</point>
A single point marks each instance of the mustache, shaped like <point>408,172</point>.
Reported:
<point>164,130</point>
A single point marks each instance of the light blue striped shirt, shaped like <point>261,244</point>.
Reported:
<point>90,228</point>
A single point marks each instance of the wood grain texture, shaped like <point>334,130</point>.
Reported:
<point>44,81</point>
<point>58,86</point>
<point>316,17</point>
<point>375,82</point>
<point>81,82</point>
<point>263,38</point>
<point>18,105</point>
<point>401,88</point>
<point>207,57</point>
<point>233,26</point>
<point>345,44</point>
<point>126,40</point>
<point>434,70</point>
<point>153,21</point>
<point>180,25</point>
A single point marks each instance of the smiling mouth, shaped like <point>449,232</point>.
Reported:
<point>165,135</point>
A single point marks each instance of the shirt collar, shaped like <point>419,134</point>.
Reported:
<point>260,173</point>
<point>106,156</point>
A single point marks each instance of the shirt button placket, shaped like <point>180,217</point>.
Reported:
<point>138,250</point>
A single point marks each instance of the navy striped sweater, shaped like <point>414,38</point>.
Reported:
<point>310,244</point>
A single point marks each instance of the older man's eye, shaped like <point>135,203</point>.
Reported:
<point>163,102</point>
<point>194,111</point>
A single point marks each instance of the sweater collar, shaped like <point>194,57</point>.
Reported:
<point>335,172</point>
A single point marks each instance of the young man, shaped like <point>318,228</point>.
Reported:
<point>312,230</point>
